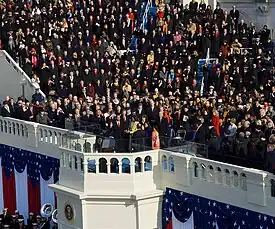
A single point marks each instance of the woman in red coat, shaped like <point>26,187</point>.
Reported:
<point>216,121</point>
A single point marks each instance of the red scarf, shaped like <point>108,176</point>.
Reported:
<point>34,61</point>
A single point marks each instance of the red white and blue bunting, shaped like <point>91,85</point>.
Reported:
<point>25,177</point>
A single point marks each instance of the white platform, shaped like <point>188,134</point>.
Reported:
<point>133,200</point>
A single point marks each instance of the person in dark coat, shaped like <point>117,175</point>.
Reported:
<point>201,133</point>
<point>5,111</point>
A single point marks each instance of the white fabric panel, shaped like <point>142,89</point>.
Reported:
<point>189,224</point>
<point>46,194</point>
<point>21,184</point>
<point>1,188</point>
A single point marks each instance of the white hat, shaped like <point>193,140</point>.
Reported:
<point>211,87</point>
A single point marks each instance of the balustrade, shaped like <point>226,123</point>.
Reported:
<point>78,157</point>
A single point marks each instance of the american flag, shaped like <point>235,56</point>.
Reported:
<point>208,214</point>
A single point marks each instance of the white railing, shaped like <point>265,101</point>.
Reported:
<point>244,187</point>
<point>150,170</point>
<point>18,69</point>
<point>32,136</point>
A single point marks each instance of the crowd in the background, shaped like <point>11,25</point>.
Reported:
<point>16,221</point>
<point>73,50</point>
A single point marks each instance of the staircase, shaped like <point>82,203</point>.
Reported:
<point>15,82</point>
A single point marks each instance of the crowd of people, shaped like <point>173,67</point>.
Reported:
<point>16,221</point>
<point>78,51</point>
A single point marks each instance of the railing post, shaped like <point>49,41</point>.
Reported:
<point>256,188</point>
<point>32,134</point>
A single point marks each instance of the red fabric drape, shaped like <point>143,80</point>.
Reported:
<point>169,225</point>
<point>34,198</point>
<point>9,192</point>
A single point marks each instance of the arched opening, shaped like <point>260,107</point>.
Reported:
<point>22,130</point>
<point>70,161</point>
<point>81,164</point>
<point>227,177</point>
<point>243,182</point>
<point>171,164</point>
<point>13,128</point>
<point>138,165</point>
<point>164,163</point>
<point>203,172</point>
<point>148,163</point>
<point>211,174</point>
<point>126,168</point>
<point>87,147</point>
<point>78,147</point>
<point>272,182</point>
<point>75,163</point>
<point>114,165</point>
<point>195,169</point>
<point>6,127</point>
<point>91,166</point>
<point>26,131</point>
<point>103,165</point>
<point>40,135</point>
<point>1,125</point>
<point>235,179</point>
<point>17,128</point>
<point>219,175</point>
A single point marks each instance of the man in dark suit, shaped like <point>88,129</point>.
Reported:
<point>193,6</point>
<point>20,224</point>
<point>152,112</point>
<point>30,220</point>
<point>162,125</point>
<point>140,111</point>
<point>235,14</point>
<point>121,143</point>
<point>6,218</point>
<point>139,140</point>
<point>265,34</point>
<point>201,132</point>
<point>118,127</point>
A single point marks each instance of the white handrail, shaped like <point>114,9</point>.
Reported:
<point>144,20</point>
<point>20,70</point>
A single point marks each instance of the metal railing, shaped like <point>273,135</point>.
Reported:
<point>145,15</point>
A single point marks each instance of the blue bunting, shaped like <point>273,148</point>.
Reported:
<point>14,158</point>
<point>209,213</point>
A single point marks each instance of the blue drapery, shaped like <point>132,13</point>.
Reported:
<point>207,213</point>
<point>15,158</point>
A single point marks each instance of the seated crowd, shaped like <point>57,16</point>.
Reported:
<point>16,221</point>
<point>73,49</point>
